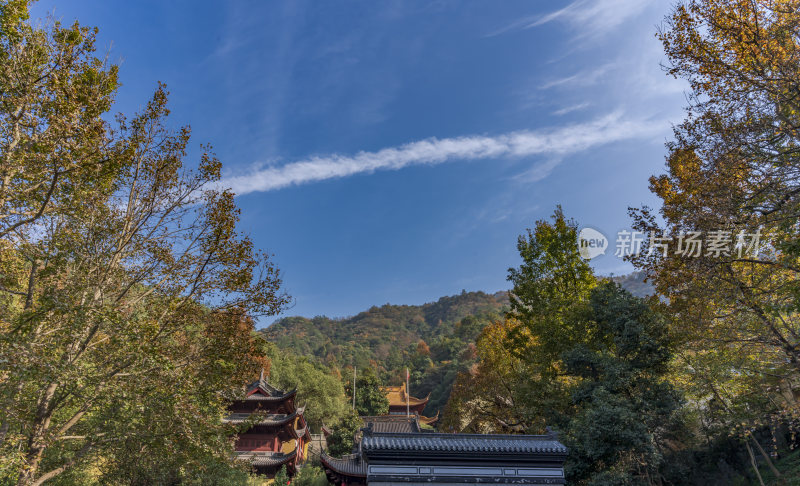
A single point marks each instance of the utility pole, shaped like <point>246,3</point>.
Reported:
<point>408,393</point>
<point>354,387</point>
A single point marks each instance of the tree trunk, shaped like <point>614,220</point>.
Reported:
<point>753,462</point>
<point>766,457</point>
<point>36,444</point>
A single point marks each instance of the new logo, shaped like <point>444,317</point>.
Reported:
<point>591,243</point>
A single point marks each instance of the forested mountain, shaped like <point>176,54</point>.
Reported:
<point>635,284</point>
<point>433,340</point>
<point>379,335</point>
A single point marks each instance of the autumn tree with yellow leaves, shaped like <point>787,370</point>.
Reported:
<point>127,294</point>
<point>734,168</point>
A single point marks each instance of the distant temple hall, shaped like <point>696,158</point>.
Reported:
<point>278,437</point>
<point>401,403</point>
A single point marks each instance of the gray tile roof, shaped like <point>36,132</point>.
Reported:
<point>264,398</point>
<point>266,459</point>
<point>436,458</point>
<point>267,392</point>
<point>398,424</point>
<point>270,419</point>
<point>462,443</point>
<point>349,465</point>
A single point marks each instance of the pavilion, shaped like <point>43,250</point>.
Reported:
<point>401,403</point>
<point>277,435</point>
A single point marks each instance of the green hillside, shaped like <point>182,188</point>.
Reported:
<point>375,336</point>
<point>434,340</point>
<point>635,284</point>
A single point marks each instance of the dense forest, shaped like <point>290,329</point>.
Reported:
<point>434,340</point>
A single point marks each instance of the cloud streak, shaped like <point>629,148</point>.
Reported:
<point>561,141</point>
<point>595,17</point>
<point>583,78</point>
<point>592,18</point>
<point>571,108</point>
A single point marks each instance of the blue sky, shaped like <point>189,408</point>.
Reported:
<point>393,151</point>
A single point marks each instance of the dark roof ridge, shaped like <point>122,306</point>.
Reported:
<point>387,418</point>
<point>266,458</point>
<point>262,418</point>
<point>285,396</point>
<point>348,465</point>
<point>263,384</point>
<point>445,435</point>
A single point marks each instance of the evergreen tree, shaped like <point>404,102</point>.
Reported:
<point>370,399</point>
<point>552,279</point>
<point>316,385</point>
<point>342,437</point>
<point>625,405</point>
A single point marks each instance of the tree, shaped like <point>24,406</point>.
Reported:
<point>309,475</point>
<point>733,168</point>
<point>518,384</point>
<point>370,399</point>
<point>625,404</point>
<point>282,477</point>
<point>469,328</point>
<point>550,284</point>
<point>53,139</point>
<point>127,292</point>
<point>552,278</point>
<point>316,386</point>
<point>491,397</point>
<point>423,348</point>
<point>342,438</point>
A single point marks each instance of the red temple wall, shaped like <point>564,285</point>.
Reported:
<point>257,442</point>
<point>252,406</point>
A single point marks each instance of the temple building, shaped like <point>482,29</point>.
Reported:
<point>350,470</point>
<point>392,453</point>
<point>401,403</point>
<point>278,435</point>
<point>394,423</point>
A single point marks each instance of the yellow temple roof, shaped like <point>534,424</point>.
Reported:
<point>397,396</point>
<point>429,420</point>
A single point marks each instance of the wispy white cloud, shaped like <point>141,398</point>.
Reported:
<point>538,171</point>
<point>595,16</point>
<point>523,23</point>
<point>583,78</point>
<point>571,108</point>
<point>591,18</point>
<point>560,141</point>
